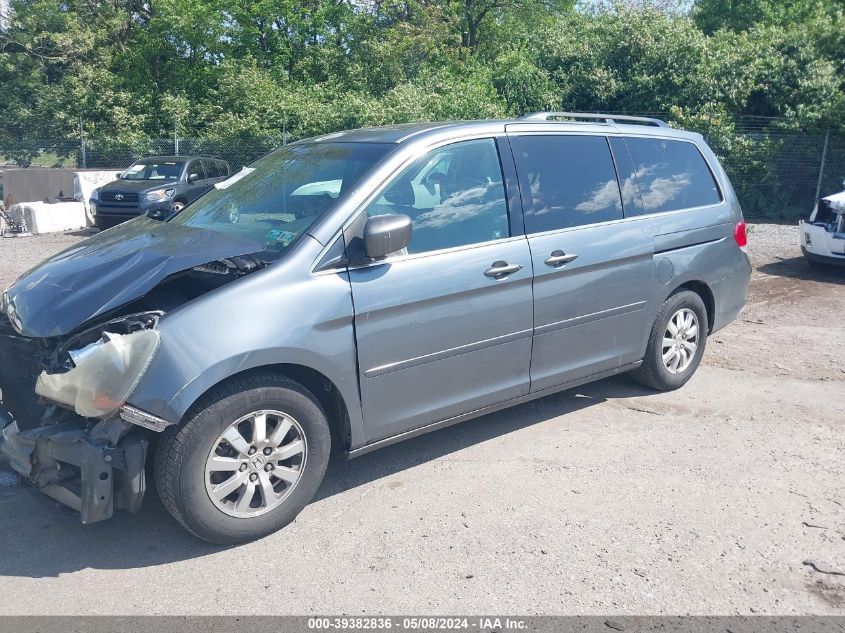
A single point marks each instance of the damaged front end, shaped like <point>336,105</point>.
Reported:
<point>74,464</point>
<point>77,333</point>
<point>823,236</point>
<point>87,449</point>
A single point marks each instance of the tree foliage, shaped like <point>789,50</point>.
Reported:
<point>126,70</point>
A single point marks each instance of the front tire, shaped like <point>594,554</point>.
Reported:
<point>676,343</point>
<point>245,460</point>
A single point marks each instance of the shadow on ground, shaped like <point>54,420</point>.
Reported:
<point>800,268</point>
<point>88,232</point>
<point>42,538</point>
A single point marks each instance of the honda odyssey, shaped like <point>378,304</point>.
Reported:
<point>356,289</point>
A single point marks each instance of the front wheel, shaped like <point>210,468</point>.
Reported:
<point>676,343</point>
<point>245,460</point>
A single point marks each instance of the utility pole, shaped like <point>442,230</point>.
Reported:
<point>176,134</point>
<point>83,144</point>
<point>821,167</point>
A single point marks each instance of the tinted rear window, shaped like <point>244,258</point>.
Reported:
<point>570,181</point>
<point>672,175</point>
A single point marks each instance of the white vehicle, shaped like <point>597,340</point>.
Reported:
<point>823,235</point>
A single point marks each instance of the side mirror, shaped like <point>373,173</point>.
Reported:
<point>192,178</point>
<point>386,234</point>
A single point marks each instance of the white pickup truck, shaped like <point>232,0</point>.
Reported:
<point>823,235</point>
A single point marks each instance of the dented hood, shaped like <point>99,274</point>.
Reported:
<point>111,269</point>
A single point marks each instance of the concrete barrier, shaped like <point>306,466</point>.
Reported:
<point>45,217</point>
<point>30,184</point>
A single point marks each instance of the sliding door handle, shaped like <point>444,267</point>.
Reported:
<point>501,269</point>
<point>559,257</point>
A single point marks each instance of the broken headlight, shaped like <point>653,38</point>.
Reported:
<point>104,373</point>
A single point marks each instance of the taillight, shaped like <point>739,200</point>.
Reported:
<point>740,235</point>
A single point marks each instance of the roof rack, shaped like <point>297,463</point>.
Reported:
<point>604,118</point>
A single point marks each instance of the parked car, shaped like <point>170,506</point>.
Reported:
<point>823,235</point>
<point>357,289</point>
<point>156,185</point>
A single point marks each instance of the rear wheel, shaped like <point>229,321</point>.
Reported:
<point>676,343</point>
<point>246,460</point>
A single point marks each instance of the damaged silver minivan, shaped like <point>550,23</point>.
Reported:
<point>356,289</point>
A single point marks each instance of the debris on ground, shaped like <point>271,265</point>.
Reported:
<point>823,568</point>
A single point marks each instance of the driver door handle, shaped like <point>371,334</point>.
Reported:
<point>559,257</point>
<point>501,269</point>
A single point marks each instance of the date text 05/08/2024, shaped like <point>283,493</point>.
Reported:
<point>417,623</point>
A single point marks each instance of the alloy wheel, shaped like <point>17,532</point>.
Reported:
<point>680,341</point>
<point>255,463</point>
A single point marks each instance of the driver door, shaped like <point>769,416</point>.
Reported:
<point>444,328</point>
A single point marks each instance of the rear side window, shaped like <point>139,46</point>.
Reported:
<point>223,168</point>
<point>672,175</point>
<point>570,181</point>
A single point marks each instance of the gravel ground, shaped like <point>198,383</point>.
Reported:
<point>725,497</point>
<point>19,254</point>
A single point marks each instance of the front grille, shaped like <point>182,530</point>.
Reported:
<point>20,365</point>
<point>119,197</point>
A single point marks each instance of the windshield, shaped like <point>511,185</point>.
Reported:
<point>280,196</point>
<point>164,170</point>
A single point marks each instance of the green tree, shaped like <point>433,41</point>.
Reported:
<point>742,15</point>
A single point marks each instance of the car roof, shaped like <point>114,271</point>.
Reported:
<point>174,159</point>
<point>543,121</point>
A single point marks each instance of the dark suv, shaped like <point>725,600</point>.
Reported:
<point>156,184</point>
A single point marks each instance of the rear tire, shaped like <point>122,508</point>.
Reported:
<point>676,343</point>
<point>193,491</point>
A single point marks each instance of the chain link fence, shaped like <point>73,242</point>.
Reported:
<point>105,154</point>
<point>777,173</point>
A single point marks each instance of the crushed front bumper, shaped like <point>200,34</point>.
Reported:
<point>78,465</point>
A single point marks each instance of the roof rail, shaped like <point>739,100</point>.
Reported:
<point>605,118</point>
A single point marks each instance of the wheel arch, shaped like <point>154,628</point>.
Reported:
<point>703,290</point>
<point>323,389</point>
